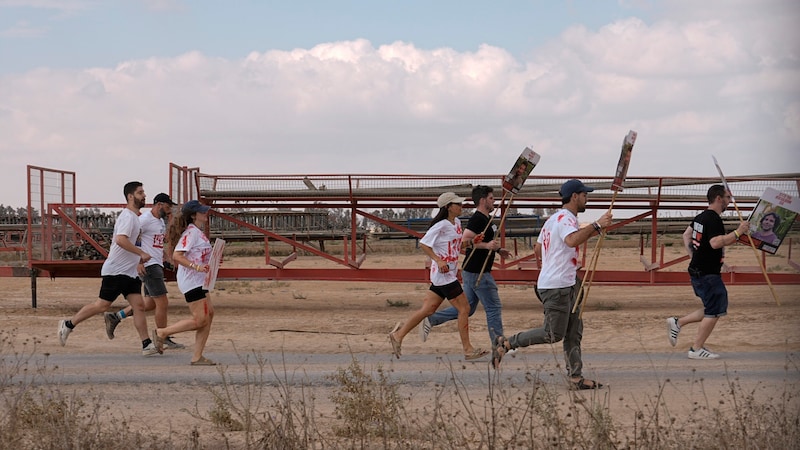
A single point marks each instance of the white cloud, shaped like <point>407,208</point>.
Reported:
<point>691,86</point>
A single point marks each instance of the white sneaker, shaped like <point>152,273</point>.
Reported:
<point>703,353</point>
<point>511,352</point>
<point>672,330</point>
<point>150,350</point>
<point>63,332</point>
<point>424,329</point>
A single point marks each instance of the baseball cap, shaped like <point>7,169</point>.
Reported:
<point>195,206</point>
<point>447,198</point>
<point>163,198</point>
<point>573,187</point>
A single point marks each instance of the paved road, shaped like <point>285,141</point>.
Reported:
<point>616,370</point>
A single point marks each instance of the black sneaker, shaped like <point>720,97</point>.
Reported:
<point>112,320</point>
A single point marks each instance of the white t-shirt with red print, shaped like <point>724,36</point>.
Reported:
<point>444,238</point>
<point>153,231</point>
<point>197,249</point>
<point>559,261</point>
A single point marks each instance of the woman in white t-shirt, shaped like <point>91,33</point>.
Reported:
<point>192,251</point>
<point>442,243</point>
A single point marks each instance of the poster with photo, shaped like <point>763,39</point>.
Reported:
<point>771,219</point>
<point>522,168</point>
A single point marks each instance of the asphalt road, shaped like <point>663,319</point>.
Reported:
<point>616,370</point>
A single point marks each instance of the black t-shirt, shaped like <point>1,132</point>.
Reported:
<point>705,226</point>
<point>477,223</point>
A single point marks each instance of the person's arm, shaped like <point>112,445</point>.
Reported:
<point>582,235</point>
<point>687,241</point>
<point>179,258</point>
<point>127,245</point>
<point>442,264</point>
<point>729,238</point>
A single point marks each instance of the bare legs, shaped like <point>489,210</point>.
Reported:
<point>202,316</point>
<point>101,306</point>
<point>704,330</point>
<point>429,306</point>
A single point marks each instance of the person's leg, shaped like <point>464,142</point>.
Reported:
<point>451,313</point>
<point>461,304</point>
<point>139,317</point>
<point>704,331</point>
<point>110,288</point>
<point>203,312</point>
<point>490,298</point>
<point>160,304</point>
<point>692,317</point>
<point>429,306</point>
<point>572,342</point>
<point>715,305</point>
<point>99,306</point>
<point>202,315</point>
<point>556,304</point>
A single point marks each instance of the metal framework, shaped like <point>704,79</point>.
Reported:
<point>53,193</point>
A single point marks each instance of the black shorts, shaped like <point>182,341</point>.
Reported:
<point>195,294</point>
<point>448,291</point>
<point>114,285</point>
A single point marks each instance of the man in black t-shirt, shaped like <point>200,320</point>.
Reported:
<point>484,252</point>
<point>705,240</point>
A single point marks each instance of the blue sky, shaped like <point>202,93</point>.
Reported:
<point>116,90</point>
<point>85,34</point>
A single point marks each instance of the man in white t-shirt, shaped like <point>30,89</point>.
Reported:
<point>558,242</point>
<point>154,230</point>
<point>119,272</point>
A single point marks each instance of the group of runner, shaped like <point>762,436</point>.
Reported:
<point>558,284</point>
<point>137,257</point>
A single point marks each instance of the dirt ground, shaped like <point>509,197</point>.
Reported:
<point>343,318</point>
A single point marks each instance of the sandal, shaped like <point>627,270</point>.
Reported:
<point>499,351</point>
<point>158,341</point>
<point>203,361</point>
<point>476,354</point>
<point>394,341</point>
<point>581,385</point>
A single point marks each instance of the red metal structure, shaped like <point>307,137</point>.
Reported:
<point>63,223</point>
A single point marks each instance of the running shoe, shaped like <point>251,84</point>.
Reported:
<point>425,329</point>
<point>112,320</point>
<point>703,353</point>
<point>169,344</point>
<point>672,330</point>
<point>63,332</point>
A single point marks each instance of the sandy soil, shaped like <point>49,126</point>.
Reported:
<point>343,318</point>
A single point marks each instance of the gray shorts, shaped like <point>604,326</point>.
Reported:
<point>153,281</point>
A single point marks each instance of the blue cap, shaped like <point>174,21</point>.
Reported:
<point>573,187</point>
<point>195,206</point>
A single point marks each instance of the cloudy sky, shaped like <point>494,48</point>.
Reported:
<point>116,90</point>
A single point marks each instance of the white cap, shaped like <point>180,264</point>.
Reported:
<point>447,198</point>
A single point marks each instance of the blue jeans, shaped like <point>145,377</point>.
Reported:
<point>486,293</point>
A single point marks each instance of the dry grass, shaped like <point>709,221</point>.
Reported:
<point>270,409</point>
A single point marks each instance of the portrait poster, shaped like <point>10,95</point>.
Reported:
<point>624,161</point>
<point>519,172</point>
<point>772,219</point>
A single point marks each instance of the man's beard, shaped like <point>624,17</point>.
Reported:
<point>138,203</point>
